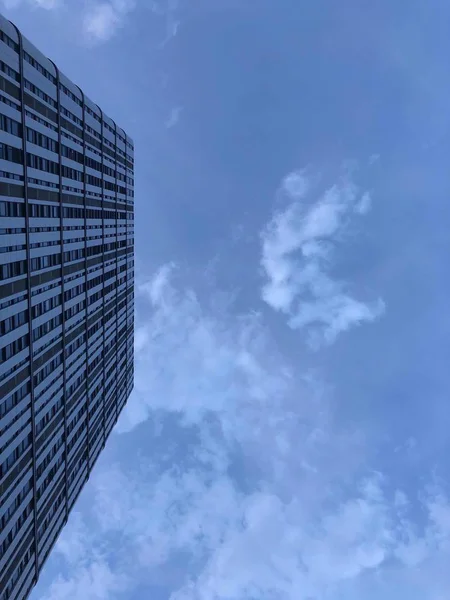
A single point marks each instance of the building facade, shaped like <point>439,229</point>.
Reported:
<point>66,299</point>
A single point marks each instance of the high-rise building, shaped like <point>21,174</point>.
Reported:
<point>66,299</point>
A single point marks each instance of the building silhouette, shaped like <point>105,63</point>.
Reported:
<point>66,299</point>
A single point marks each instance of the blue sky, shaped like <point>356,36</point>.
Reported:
<point>287,438</point>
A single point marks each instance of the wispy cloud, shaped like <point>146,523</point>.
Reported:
<point>174,117</point>
<point>298,247</point>
<point>230,357</point>
<point>169,10</point>
<point>46,4</point>
<point>49,4</point>
<point>248,486</point>
<point>102,19</point>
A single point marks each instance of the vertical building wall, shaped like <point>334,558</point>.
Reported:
<point>66,299</point>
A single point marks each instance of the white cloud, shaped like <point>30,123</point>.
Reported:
<point>297,250</point>
<point>291,553</point>
<point>232,360</point>
<point>248,488</point>
<point>102,19</point>
<point>97,581</point>
<point>158,286</point>
<point>174,117</point>
<point>364,205</point>
<point>49,4</point>
<point>169,10</point>
<point>46,4</point>
<point>296,184</point>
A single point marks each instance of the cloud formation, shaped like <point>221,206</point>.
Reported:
<point>248,486</point>
<point>174,117</point>
<point>46,4</point>
<point>298,247</point>
<point>102,19</point>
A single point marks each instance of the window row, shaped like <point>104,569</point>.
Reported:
<point>93,114</point>
<point>26,558</point>
<point>17,209</point>
<point>39,139</point>
<point>9,71</point>
<point>96,297</point>
<point>14,176</point>
<point>8,102</point>
<point>17,526</point>
<point>50,475</point>
<point>75,469</point>
<point>15,128</point>
<point>46,306</point>
<point>76,419</point>
<point>38,92</point>
<point>44,211</point>
<point>94,132</point>
<point>49,368</point>
<point>50,166</point>
<point>13,322</point>
<point>76,437</point>
<point>71,116</point>
<point>96,327</point>
<point>14,347</point>
<point>49,415</point>
<point>73,347</point>
<point>74,292</point>
<point>17,248</point>
<point>121,138</point>
<point>109,345</point>
<point>44,288</point>
<point>92,213</point>
<point>70,94</point>
<point>52,102</point>
<point>41,121</point>
<point>17,430</point>
<point>94,363</point>
<point>101,279</point>
<point>14,399</point>
<point>46,327</point>
<point>34,63</point>
<point>74,324</point>
<point>52,260</point>
<point>95,434</point>
<point>13,269</point>
<point>79,289</point>
<point>42,164</point>
<point>18,451</point>
<point>15,504</point>
<point>43,527</point>
<point>48,457</point>
<point>75,140</point>
<point>49,184</point>
<point>8,41</point>
<point>11,231</point>
<point>44,262</point>
<point>51,382</point>
<point>10,126</point>
<point>46,244</point>
<point>110,371</point>
<point>93,408</point>
<point>73,310</point>
<point>14,155</point>
<point>75,385</point>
